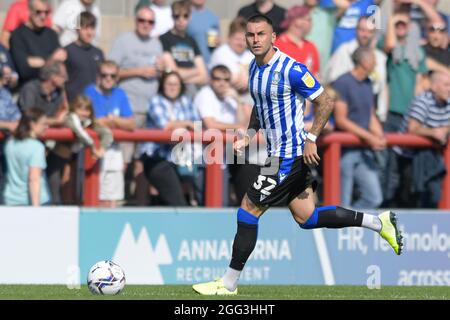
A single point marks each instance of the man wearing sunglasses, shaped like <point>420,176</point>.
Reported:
<point>437,47</point>
<point>140,58</point>
<point>32,44</point>
<point>18,13</point>
<point>183,50</point>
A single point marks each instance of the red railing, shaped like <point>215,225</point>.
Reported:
<point>331,143</point>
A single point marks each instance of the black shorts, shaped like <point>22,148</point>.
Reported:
<point>280,181</point>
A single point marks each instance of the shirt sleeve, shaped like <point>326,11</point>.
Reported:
<point>202,106</point>
<point>303,82</point>
<point>157,114</point>
<point>125,107</point>
<point>418,110</point>
<point>37,159</point>
<point>341,87</point>
<point>12,19</point>
<point>423,69</point>
<point>26,98</point>
<point>116,53</point>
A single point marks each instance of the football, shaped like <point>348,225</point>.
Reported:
<point>106,278</point>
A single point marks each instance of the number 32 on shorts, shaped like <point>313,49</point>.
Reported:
<point>270,184</point>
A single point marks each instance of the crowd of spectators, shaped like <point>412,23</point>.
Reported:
<point>177,67</point>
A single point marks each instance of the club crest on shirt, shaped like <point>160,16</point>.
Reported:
<point>308,80</point>
<point>276,77</point>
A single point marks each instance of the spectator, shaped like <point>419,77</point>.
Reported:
<point>139,57</point>
<point>47,93</point>
<point>236,57</point>
<point>437,49</point>
<point>341,62</point>
<point>112,110</point>
<point>66,20</point>
<point>170,109</point>
<point>25,159</point>
<point>220,109</point>
<point>18,13</point>
<point>406,68</point>
<point>349,12</point>
<point>33,43</point>
<point>9,73</point>
<point>293,42</point>
<point>184,50</point>
<point>204,27</point>
<point>83,58</point>
<point>354,113</point>
<point>79,118</point>
<point>9,119</point>
<point>268,8</point>
<point>164,21</point>
<point>323,22</point>
<point>424,12</point>
<point>421,171</point>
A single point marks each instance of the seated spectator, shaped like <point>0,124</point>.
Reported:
<point>268,8</point>
<point>406,68</point>
<point>204,27</point>
<point>437,48</point>
<point>66,20</point>
<point>236,57</point>
<point>18,13</point>
<point>140,58</point>
<point>47,93</point>
<point>83,58</point>
<point>354,112</point>
<point>79,118</point>
<point>9,119</point>
<point>349,12</point>
<point>112,110</point>
<point>219,109</point>
<point>184,50</point>
<point>32,44</point>
<point>293,42</point>
<point>25,159</point>
<point>170,109</point>
<point>10,76</point>
<point>421,171</point>
<point>341,62</point>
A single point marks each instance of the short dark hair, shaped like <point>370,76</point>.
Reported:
<point>87,19</point>
<point>220,68</point>
<point>52,67</point>
<point>163,80</point>
<point>23,130</point>
<point>260,17</point>
<point>360,54</point>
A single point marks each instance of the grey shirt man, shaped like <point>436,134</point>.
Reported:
<point>32,96</point>
<point>131,51</point>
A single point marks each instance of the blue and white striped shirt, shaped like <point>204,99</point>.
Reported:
<point>279,89</point>
<point>162,111</point>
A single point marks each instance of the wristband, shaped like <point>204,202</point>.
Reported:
<point>311,137</point>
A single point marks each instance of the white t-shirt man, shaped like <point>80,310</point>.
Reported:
<point>66,18</point>
<point>226,56</point>
<point>164,21</point>
<point>208,105</point>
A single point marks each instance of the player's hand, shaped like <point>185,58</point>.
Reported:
<point>241,143</point>
<point>310,155</point>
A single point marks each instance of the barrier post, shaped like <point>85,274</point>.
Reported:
<point>445,196</point>
<point>332,174</point>
<point>91,179</point>
<point>214,176</point>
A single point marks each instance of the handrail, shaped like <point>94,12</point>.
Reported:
<point>332,144</point>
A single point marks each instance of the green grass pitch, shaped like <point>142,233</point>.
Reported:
<point>246,292</point>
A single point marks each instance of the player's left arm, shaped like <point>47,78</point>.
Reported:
<point>304,83</point>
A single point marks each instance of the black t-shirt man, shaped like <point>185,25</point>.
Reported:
<point>82,62</point>
<point>182,49</point>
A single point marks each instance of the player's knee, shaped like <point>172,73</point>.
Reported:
<point>301,216</point>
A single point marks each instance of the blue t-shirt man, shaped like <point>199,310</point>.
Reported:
<point>204,24</point>
<point>116,103</point>
<point>346,26</point>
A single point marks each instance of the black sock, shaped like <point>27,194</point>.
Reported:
<point>333,217</point>
<point>243,245</point>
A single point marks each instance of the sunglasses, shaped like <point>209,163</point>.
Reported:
<point>178,16</point>
<point>437,29</point>
<point>109,75</point>
<point>42,12</point>
<point>221,79</point>
<point>150,22</point>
